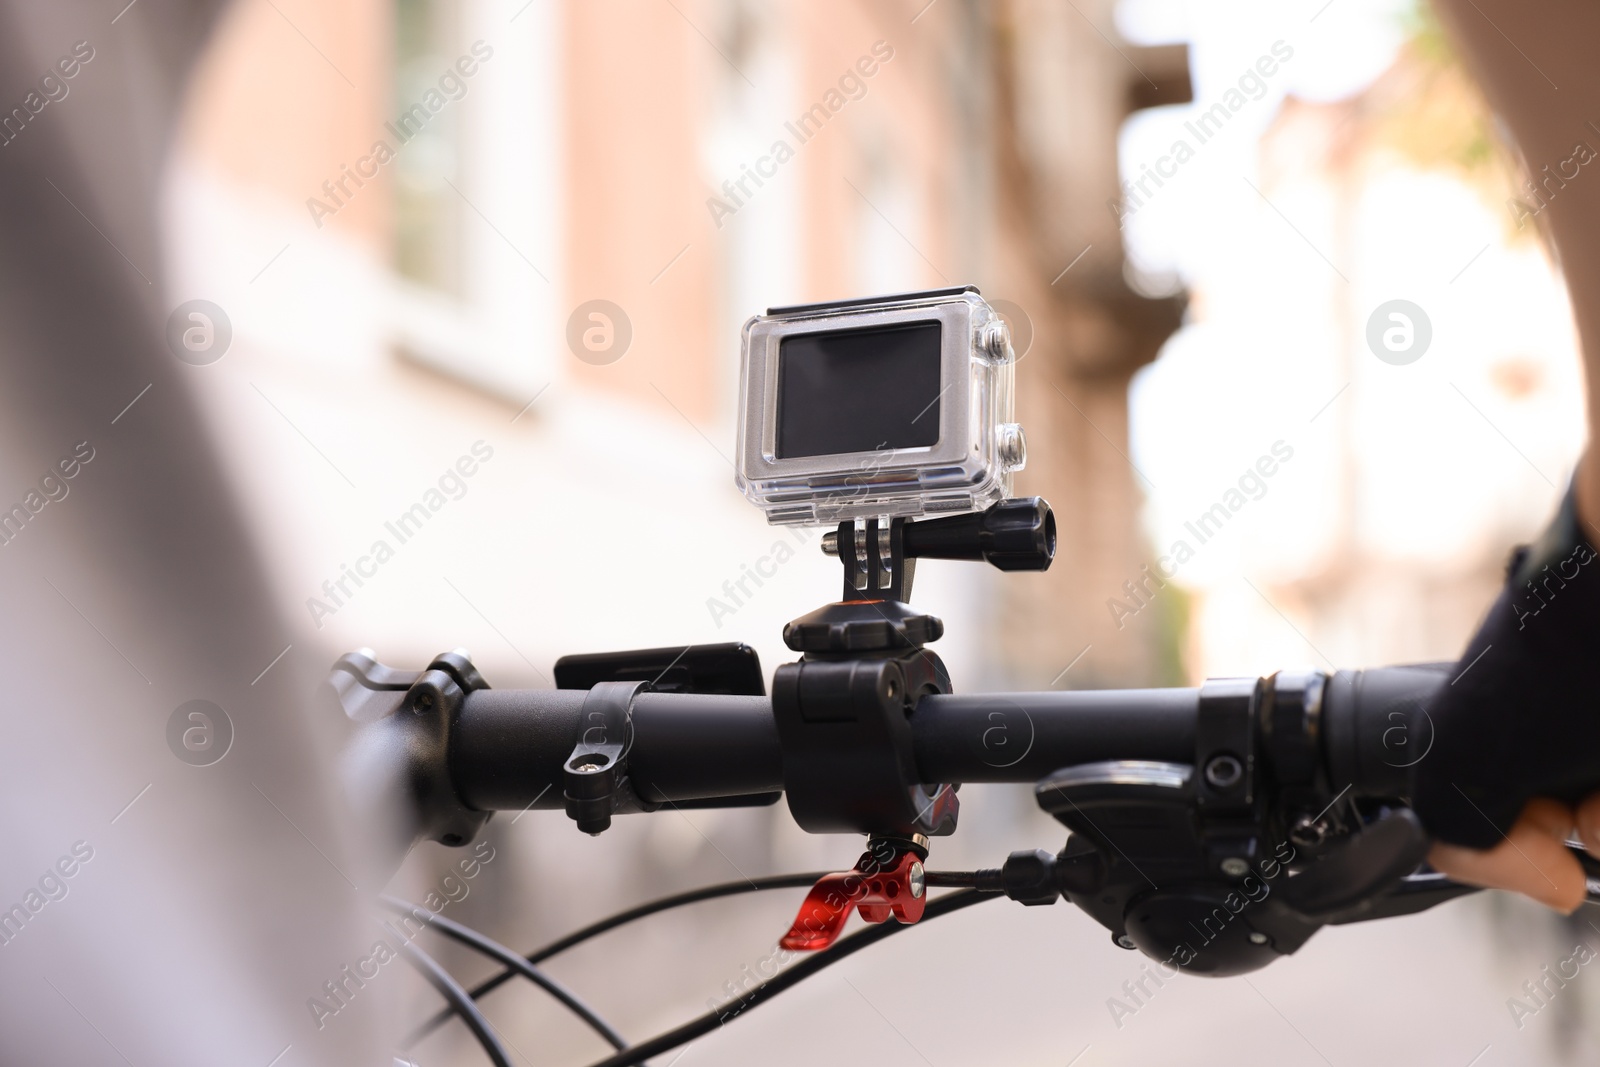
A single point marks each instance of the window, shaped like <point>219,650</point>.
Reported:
<point>477,156</point>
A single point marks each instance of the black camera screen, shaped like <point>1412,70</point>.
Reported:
<point>858,390</point>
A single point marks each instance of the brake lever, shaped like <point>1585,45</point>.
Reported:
<point>1427,888</point>
<point>1361,870</point>
<point>1591,869</point>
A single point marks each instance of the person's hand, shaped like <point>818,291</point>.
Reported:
<point>1533,859</point>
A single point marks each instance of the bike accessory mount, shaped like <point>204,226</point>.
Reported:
<point>595,776</point>
<point>879,558</point>
<point>843,709</point>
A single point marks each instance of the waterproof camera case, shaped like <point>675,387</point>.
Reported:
<point>893,406</point>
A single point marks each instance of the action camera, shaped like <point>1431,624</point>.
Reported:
<point>892,406</point>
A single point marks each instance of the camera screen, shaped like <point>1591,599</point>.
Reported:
<point>858,390</point>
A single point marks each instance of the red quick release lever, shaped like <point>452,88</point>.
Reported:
<point>875,888</point>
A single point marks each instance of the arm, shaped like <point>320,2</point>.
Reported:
<point>1530,61</point>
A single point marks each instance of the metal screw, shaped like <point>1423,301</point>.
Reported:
<point>995,338</point>
<point>591,763</point>
<point>1307,832</point>
<point>830,543</point>
<point>422,702</point>
<point>1011,446</point>
<point>1224,772</point>
<point>1124,941</point>
<point>1234,867</point>
<point>1258,938</point>
<point>918,880</point>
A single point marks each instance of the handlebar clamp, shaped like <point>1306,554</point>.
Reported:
<point>595,776</point>
<point>844,725</point>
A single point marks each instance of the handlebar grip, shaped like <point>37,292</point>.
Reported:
<point>1376,726</point>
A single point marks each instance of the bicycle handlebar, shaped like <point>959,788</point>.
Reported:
<point>485,750</point>
<point>509,746</point>
<point>1172,796</point>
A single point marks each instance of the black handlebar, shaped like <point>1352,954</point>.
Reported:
<point>508,747</point>
<point>1172,796</point>
<point>1022,737</point>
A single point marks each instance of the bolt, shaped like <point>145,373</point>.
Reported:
<point>1234,867</point>
<point>1308,833</point>
<point>995,339</point>
<point>1124,941</point>
<point>1224,772</point>
<point>422,702</point>
<point>1011,445</point>
<point>830,543</point>
<point>918,880</point>
<point>1258,938</point>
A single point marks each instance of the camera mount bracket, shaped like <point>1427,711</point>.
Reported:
<point>844,725</point>
<point>879,559</point>
<point>843,711</point>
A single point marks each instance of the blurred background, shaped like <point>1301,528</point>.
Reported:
<point>411,213</point>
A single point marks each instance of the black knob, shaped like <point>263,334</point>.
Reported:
<point>1013,535</point>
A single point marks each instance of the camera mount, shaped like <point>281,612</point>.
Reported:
<point>843,709</point>
<point>879,561</point>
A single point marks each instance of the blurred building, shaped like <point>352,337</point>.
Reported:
<point>1385,538</point>
<point>406,209</point>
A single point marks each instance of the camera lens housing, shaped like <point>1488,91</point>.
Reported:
<point>892,406</point>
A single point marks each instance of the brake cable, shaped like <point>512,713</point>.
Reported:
<point>494,950</point>
<point>621,918</point>
<point>786,979</point>
<point>451,990</point>
<point>462,1002</point>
